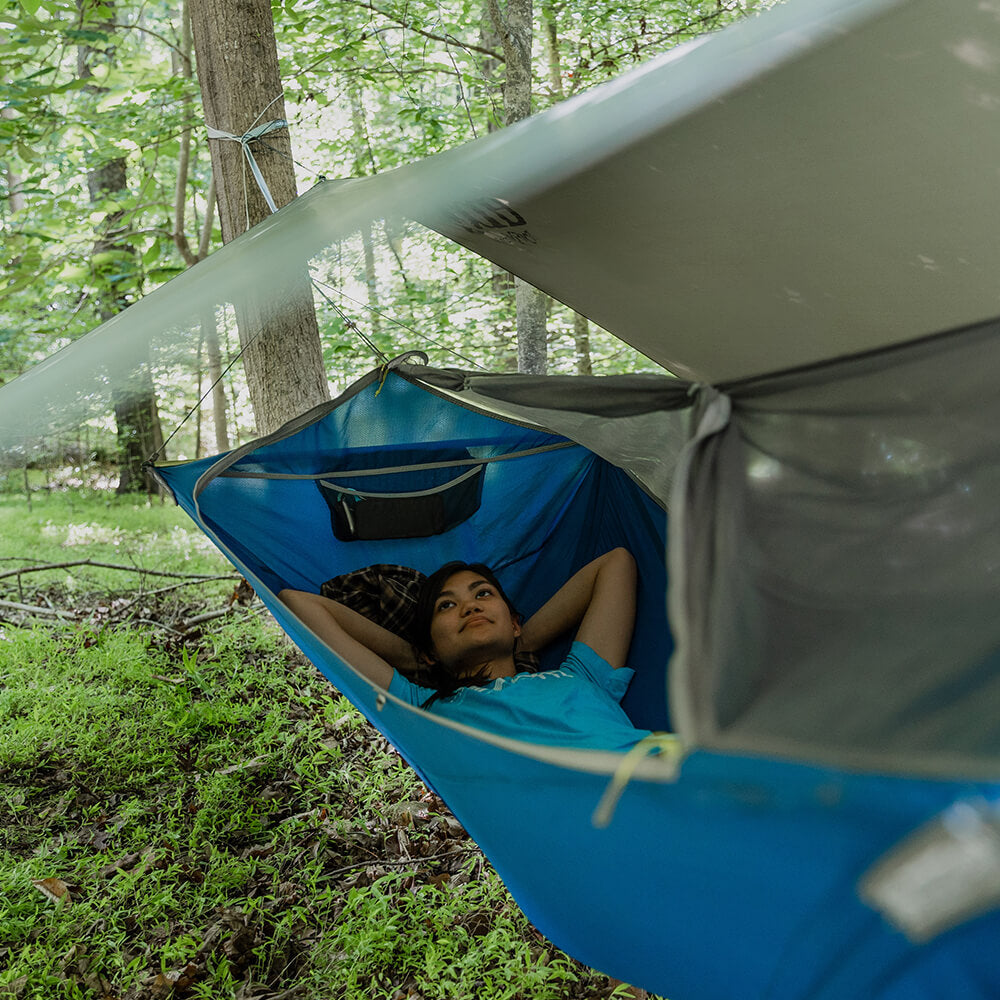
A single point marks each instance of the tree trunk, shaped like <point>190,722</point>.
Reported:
<point>501,280</point>
<point>15,199</point>
<point>136,414</point>
<point>581,337</point>
<point>183,66</point>
<point>489,38</point>
<point>581,326</point>
<point>240,88</point>
<point>363,162</point>
<point>553,60</point>
<point>532,311</point>
<point>210,331</point>
<point>515,29</point>
<point>197,395</point>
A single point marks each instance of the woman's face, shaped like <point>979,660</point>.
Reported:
<point>471,623</point>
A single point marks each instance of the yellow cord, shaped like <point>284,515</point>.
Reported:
<point>667,746</point>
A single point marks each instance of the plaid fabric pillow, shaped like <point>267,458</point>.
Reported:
<point>383,593</point>
<point>387,595</point>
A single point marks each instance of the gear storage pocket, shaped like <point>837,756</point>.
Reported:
<point>403,500</point>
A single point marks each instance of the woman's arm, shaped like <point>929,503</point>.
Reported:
<point>374,651</point>
<point>600,599</point>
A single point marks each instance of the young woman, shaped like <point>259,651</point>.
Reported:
<point>467,635</point>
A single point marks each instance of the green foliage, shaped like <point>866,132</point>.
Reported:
<point>59,125</point>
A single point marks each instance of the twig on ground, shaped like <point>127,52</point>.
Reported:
<point>162,625</point>
<point>403,862</point>
<point>103,565</point>
<point>185,583</point>
<point>34,610</point>
<point>145,594</point>
<point>206,617</point>
<point>246,614</point>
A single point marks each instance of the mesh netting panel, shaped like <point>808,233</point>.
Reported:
<point>844,562</point>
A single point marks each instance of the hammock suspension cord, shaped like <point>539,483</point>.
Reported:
<point>225,371</point>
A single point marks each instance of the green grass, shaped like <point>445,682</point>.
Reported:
<point>226,825</point>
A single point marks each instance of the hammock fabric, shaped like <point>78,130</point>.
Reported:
<point>740,871</point>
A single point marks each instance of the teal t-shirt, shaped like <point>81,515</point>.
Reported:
<point>576,705</point>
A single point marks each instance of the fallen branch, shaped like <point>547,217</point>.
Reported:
<point>103,565</point>
<point>207,617</point>
<point>246,614</point>
<point>143,595</point>
<point>34,610</point>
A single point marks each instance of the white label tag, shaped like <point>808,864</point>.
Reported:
<point>943,874</point>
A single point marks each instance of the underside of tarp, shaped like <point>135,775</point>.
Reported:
<point>816,181</point>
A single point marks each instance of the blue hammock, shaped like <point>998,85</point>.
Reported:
<point>736,876</point>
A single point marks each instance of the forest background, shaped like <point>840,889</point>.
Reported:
<point>107,186</point>
<point>185,809</point>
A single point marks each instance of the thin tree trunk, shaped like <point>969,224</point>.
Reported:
<point>581,338</point>
<point>181,59</point>
<point>581,326</point>
<point>371,280</point>
<point>197,396</point>
<point>136,414</point>
<point>514,26</point>
<point>15,199</point>
<point>364,161</point>
<point>489,38</point>
<point>532,310</point>
<point>233,401</point>
<point>241,87</point>
<point>210,331</point>
<point>501,280</point>
<point>553,60</point>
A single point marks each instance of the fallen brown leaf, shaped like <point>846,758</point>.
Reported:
<point>247,765</point>
<point>173,983</point>
<point>53,888</point>
<point>477,923</point>
<point>407,813</point>
<point>15,988</point>
<point>123,864</point>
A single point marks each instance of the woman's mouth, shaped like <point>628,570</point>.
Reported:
<point>475,620</point>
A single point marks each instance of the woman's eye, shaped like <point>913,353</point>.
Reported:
<point>444,605</point>
<point>485,592</point>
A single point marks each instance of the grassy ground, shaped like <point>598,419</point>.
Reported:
<point>187,809</point>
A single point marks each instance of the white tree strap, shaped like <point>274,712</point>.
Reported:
<point>244,140</point>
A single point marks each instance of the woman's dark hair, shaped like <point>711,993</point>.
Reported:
<point>439,675</point>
